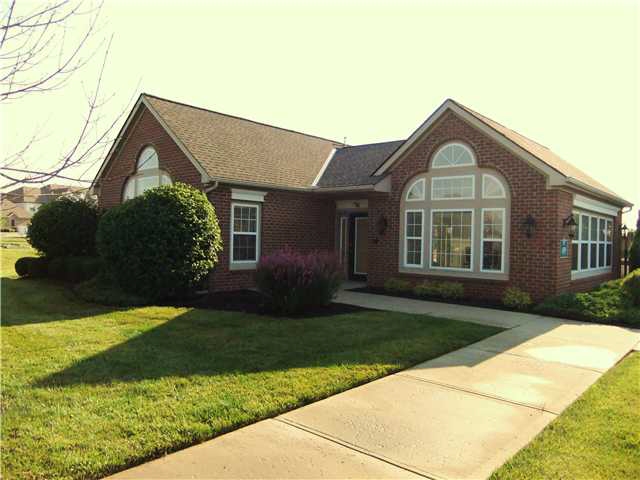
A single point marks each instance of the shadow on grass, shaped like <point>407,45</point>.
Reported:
<point>27,301</point>
<point>210,343</point>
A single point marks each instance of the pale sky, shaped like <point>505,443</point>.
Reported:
<point>563,73</point>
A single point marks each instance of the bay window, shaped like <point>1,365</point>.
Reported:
<point>592,248</point>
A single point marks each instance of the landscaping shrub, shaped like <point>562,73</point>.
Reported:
<point>161,244</point>
<point>64,227</point>
<point>293,282</point>
<point>634,251</point>
<point>74,269</point>
<point>397,285</point>
<point>103,291</point>
<point>513,297</point>
<point>446,290</point>
<point>609,303</point>
<point>37,267</point>
<point>22,266</point>
<point>631,286</point>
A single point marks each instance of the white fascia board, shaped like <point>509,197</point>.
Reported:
<point>247,195</point>
<point>586,203</point>
<point>324,167</point>
<point>204,175</point>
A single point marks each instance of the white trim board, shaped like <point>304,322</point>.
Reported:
<point>323,168</point>
<point>247,195</point>
<point>592,205</point>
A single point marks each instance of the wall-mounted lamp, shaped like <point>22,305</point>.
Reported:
<point>572,224</point>
<point>529,224</point>
<point>382,224</point>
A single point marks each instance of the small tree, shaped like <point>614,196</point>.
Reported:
<point>64,227</point>
<point>162,244</point>
<point>634,252</point>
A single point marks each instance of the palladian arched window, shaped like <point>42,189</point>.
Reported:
<point>455,218</point>
<point>148,175</point>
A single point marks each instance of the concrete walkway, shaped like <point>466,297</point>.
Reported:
<point>457,416</point>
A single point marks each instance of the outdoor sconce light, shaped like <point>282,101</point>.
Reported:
<point>382,225</point>
<point>571,223</point>
<point>529,224</point>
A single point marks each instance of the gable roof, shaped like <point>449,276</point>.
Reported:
<point>559,171</point>
<point>352,165</point>
<point>235,149</point>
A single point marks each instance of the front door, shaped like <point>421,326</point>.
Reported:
<point>360,256</point>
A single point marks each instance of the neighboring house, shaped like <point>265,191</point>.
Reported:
<point>463,198</point>
<point>19,205</point>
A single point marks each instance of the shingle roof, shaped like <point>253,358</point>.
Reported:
<point>236,149</point>
<point>541,152</point>
<point>352,165</point>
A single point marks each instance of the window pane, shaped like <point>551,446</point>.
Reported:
<point>414,224</point>
<point>451,237</point>
<point>584,230</point>
<point>609,251</point>
<point>594,229</point>
<point>491,255</point>
<point>454,187</point>
<point>417,191</point>
<point>414,252</point>
<point>413,232</point>
<point>245,219</point>
<point>453,155</point>
<point>594,255</point>
<point>492,224</point>
<point>129,189</point>
<point>574,256</point>
<point>609,230</point>
<point>146,183</point>
<point>492,187</point>
<point>601,254</point>
<point>584,256</point>
<point>602,230</point>
<point>244,247</point>
<point>148,159</point>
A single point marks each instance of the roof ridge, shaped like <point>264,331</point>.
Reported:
<point>240,118</point>
<point>501,124</point>
<point>370,144</point>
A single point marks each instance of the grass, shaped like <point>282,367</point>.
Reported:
<point>596,438</point>
<point>89,390</point>
<point>606,304</point>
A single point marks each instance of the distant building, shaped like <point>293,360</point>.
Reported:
<point>19,205</point>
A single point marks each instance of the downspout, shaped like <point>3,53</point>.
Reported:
<point>211,186</point>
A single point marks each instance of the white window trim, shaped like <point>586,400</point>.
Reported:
<point>451,269</point>
<point>148,173</point>
<point>491,197</point>
<point>406,239</point>
<point>256,234</point>
<point>502,240</point>
<point>424,188</point>
<point>247,195</point>
<point>473,157</point>
<point>577,242</point>
<point>473,188</point>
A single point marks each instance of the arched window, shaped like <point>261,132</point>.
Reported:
<point>453,155</point>
<point>416,191</point>
<point>148,175</point>
<point>492,187</point>
<point>456,224</point>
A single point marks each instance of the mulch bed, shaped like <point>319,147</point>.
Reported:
<point>250,301</point>
<point>494,304</point>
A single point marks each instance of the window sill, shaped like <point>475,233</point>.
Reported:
<point>243,266</point>
<point>452,273</point>
<point>590,273</point>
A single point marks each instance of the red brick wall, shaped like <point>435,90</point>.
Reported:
<point>144,130</point>
<point>301,220</point>
<point>535,263</point>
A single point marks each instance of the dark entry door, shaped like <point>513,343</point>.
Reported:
<point>359,246</point>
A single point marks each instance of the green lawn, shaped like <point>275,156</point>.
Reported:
<point>89,390</point>
<point>598,437</point>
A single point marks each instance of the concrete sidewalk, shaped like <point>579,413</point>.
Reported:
<point>457,416</point>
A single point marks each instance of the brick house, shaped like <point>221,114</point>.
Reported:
<point>463,198</point>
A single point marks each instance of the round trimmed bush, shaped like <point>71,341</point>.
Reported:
<point>38,267</point>
<point>64,227</point>
<point>161,244</point>
<point>22,266</point>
